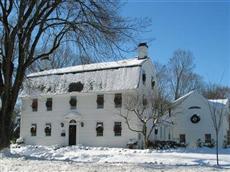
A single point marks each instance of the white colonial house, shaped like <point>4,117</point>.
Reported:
<point>192,121</point>
<point>81,104</point>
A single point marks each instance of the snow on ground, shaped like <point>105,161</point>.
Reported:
<point>80,158</point>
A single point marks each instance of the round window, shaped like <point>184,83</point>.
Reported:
<point>195,119</point>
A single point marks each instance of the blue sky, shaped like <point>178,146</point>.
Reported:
<point>201,27</point>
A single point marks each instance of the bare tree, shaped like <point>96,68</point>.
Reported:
<point>214,91</point>
<point>181,77</point>
<point>162,81</point>
<point>143,114</point>
<point>217,111</point>
<point>34,29</point>
<point>62,57</point>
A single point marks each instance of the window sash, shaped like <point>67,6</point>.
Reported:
<point>99,129</point>
<point>117,129</point>
<point>49,104</point>
<point>208,138</point>
<point>35,128</point>
<point>100,101</point>
<point>73,102</point>
<point>182,138</point>
<point>48,129</point>
<point>35,105</point>
<point>118,100</point>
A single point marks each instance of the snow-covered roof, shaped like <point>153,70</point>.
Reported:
<point>218,103</point>
<point>182,98</point>
<point>221,101</point>
<point>91,67</point>
<point>107,76</point>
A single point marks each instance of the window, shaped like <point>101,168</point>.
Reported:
<point>76,86</point>
<point>194,107</point>
<point>34,105</point>
<point>144,101</point>
<point>49,104</point>
<point>99,128</point>
<point>48,129</point>
<point>73,102</point>
<point>153,83</point>
<point>170,112</point>
<point>143,77</point>
<point>228,137</point>
<point>33,129</point>
<point>208,138</point>
<point>182,138</point>
<point>100,101</point>
<point>117,129</point>
<point>118,100</point>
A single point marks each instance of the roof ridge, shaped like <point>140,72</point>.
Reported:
<point>90,67</point>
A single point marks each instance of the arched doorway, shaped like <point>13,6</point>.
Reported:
<point>72,132</point>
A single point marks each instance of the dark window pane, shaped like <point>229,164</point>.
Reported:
<point>117,128</point>
<point>100,101</point>
<point>35,105</point>
<point>208,138</point>
<point>49,104</point>
<point>99,128</point>
<point>182,138</point>
<point>33,130</point>
<point>118,100</point>
<point>73,102</point>
<point>143,77</point>
<point>76,86</point>
<point>48,129</point>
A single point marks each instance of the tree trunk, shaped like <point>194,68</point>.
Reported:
<point>145,142</point>
<point>145,136</point>
<point>5,128</point>
<point>217,150</point>
<point>5,120</point>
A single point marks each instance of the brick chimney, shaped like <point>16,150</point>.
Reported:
<point>142,50</point>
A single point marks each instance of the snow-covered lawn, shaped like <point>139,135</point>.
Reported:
<point>80,158</point>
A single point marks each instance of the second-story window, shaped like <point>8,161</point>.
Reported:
<point>99,128</point>
<point>118,100</point>
<point>144,101</point>
<point>48,129</point>
<point>100,101</point>
<point>49,104</point>
<point>34,105</point>
<point>73,102</point>
<point>143,77</point>
<point>153,82</point>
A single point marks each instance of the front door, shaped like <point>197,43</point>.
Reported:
<point>72,135</point>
